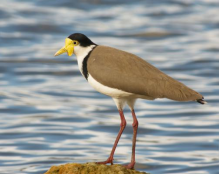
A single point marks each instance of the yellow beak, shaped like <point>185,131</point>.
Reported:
<point>69,48</point>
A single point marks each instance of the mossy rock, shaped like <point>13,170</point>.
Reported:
<point>91,168</point>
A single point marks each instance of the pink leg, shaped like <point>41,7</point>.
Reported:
<point>135,128</point>
<point>123,125</point>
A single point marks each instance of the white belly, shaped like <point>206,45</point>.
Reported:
<point>115,93</point>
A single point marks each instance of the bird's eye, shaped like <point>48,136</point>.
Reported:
<point>75,43</point>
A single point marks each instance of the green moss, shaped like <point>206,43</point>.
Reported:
<point>91,168</point>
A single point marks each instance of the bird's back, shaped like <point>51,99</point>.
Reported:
<point>122,70</point>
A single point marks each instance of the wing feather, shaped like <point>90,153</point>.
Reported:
<point>122,70</point>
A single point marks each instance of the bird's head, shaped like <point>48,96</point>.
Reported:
<point>74,41</point>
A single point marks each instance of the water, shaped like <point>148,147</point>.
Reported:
<point>49,115</point>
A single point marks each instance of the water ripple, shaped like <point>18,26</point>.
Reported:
<point>49,115</point>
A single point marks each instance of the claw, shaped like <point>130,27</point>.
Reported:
<point>107,161</point>
<point>130,165</point>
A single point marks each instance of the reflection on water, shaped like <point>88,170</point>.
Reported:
<point>50,115</point>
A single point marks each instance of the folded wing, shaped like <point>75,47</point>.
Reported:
<point>121,70</point>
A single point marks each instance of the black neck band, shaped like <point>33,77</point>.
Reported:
<point>84,64</point>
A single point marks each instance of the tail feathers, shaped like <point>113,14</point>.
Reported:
<point>201,101</point>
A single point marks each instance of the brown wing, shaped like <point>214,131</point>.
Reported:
<point>121,70</point>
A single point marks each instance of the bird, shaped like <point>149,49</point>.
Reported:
<point>125,77</point>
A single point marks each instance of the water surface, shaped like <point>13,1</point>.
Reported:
<point>49,115</point>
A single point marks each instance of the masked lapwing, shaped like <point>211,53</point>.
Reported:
<point>124,77</point>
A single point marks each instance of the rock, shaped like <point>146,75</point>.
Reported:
<point>91,168</point>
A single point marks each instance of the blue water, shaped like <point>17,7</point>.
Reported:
<point>49,115</point>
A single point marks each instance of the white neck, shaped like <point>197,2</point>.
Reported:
<point>81,53</point>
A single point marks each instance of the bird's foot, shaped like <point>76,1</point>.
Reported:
<point>109,160</point>
<point>130,165</point>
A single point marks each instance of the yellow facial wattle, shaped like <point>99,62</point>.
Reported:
<point>69,48</point>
